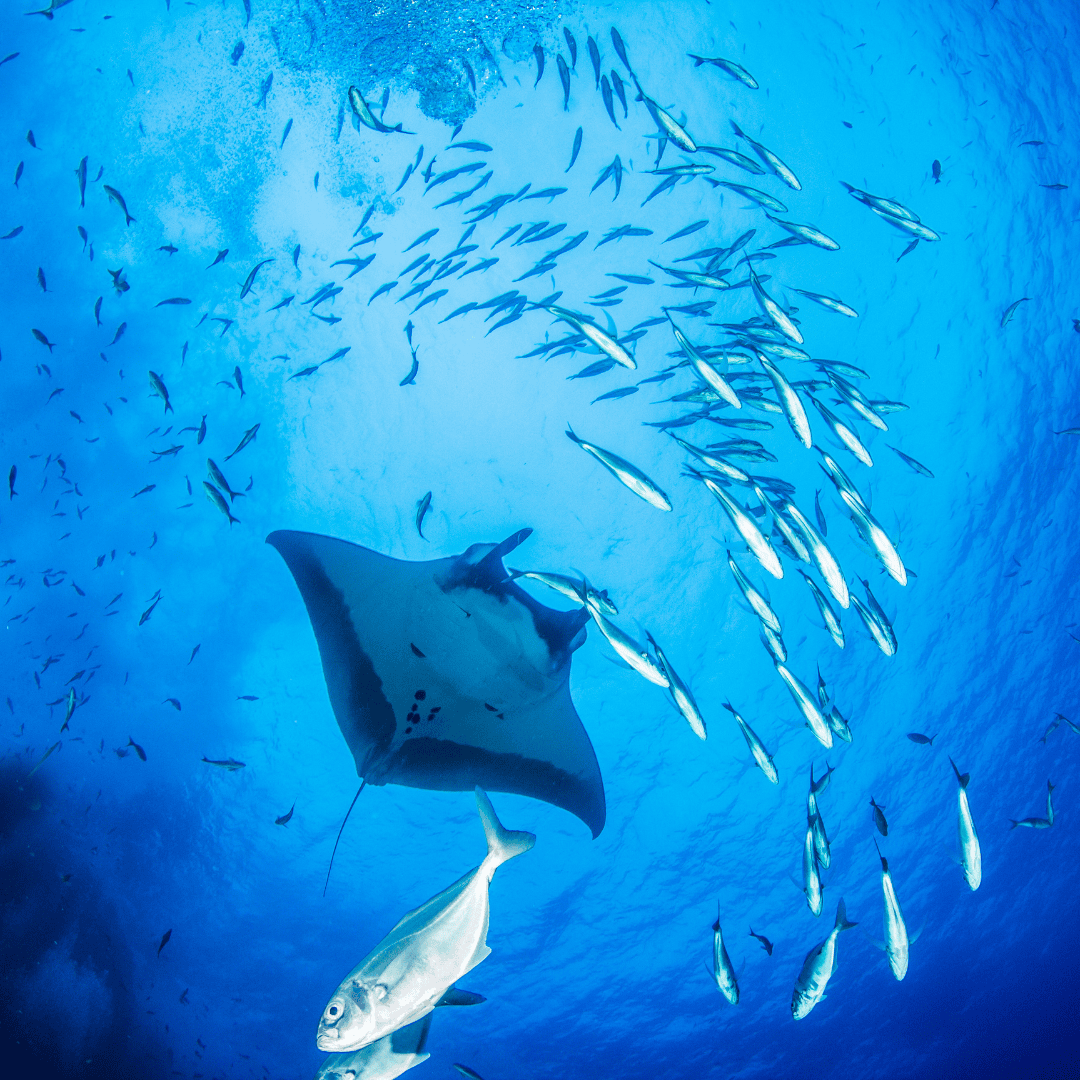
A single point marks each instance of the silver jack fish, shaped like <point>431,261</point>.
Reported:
<point>970,852</point>
<point>896,935</point>
<point>757,747</point>
<point>723,972</point>
<point>410,970</point>
<point>625,473</point>
<point>818,968</point>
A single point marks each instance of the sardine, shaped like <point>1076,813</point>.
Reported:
<point>823,558</point>
<point>625,473</point>
<point>681,695</point>
<point>760,606</point>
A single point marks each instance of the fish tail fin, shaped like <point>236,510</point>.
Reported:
<point>570,434</point>
<point>1014,824</point>
<point>232,520</point>
<point>841,916</point>
<point>503,844</point>
<point>698,60</point>
<point>961,778</point>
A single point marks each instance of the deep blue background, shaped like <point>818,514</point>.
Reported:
<point>598,946</point>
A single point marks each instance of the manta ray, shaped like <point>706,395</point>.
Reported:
<point>446,674</point>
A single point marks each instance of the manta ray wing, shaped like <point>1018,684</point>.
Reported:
<point>445,674</point>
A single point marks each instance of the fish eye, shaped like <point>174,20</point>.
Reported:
<point>333,1011</point>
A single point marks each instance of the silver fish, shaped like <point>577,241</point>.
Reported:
<point>876,537</point>
<point>706,370</point>
<point>829,302</point>
<point>762,758</point>
<point>408,972</point>
<point>845,434</point>
<point>570,588</point>
<point>684,700</point>
<point>607,345</point>
<point>812,888</point>
<point>723,971</point>
<point>759,546</point>
<point>807,706</point>
<point>627,474</point>
<point>760,606</point>
<point>627,648</point>
<point>818,968</point>
<point>779,317</point>
<point>789,399</point>
<point>896,935</point>
<point>823,558</point>
<point>1040,823</point>
<point>971,853</point>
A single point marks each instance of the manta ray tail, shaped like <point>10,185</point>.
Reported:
<point>340,831</point>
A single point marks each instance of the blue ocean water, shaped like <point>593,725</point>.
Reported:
<point>227,128</point>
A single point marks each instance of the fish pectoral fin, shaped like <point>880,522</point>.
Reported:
<point>876,942</point>
<point>918,934</point>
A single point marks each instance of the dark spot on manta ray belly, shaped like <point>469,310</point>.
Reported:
<point>420,694</point>
<point>417,651</point>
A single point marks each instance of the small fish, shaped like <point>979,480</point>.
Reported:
<point>687,230</point>
<point>44,757</point>
<point>178,301</point>
<point>80,174</point>
<point>264,89</point>
<point>469,1074</point>
<point>117,198</point>
<point>229,763</point>
<point>571,44</point>
<point>766,944</point>
<point>285,134</point>
<point>218,500</point>
<point>1010,311</point>
<point>625,473</point>
<point>142,757</point>
<point>158,387</point>
<point>935,170</point>
<point>733,69</point>
<point>44,340</point>
<point>970,851</point>
<point>174,702</point>
<point>615,395</point>
<point>194,652</point>
<point>538,53</point>
<point>879,818</point>
<point>285,818</point>
<point>723,971</point>
<point>149,611</point>
<point>620,49</point>
<point>576,150</point>
<point>249,281</point>
<point>422,507</point>
<point>683,698</point>
<point>12,473</point>
<point>286,302</point>
<point>828,301</point>
<point>238,51</point>
<point>12,234</point>
<point>365,116</point>
<point>921,740</point>
<point>219,479</point>
<point>164,941</point>
<point>620,92</point>
<point>762,758</point>
<point>118,335</point>
<point>594,57</point>
<point>249,436</point>
<point>219,258</point>
<point>771,160</point>
<point>564,78</point>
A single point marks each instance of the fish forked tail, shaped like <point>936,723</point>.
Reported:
<point>503,844</point>
<point>961,778</point>
<point>841,917</point>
